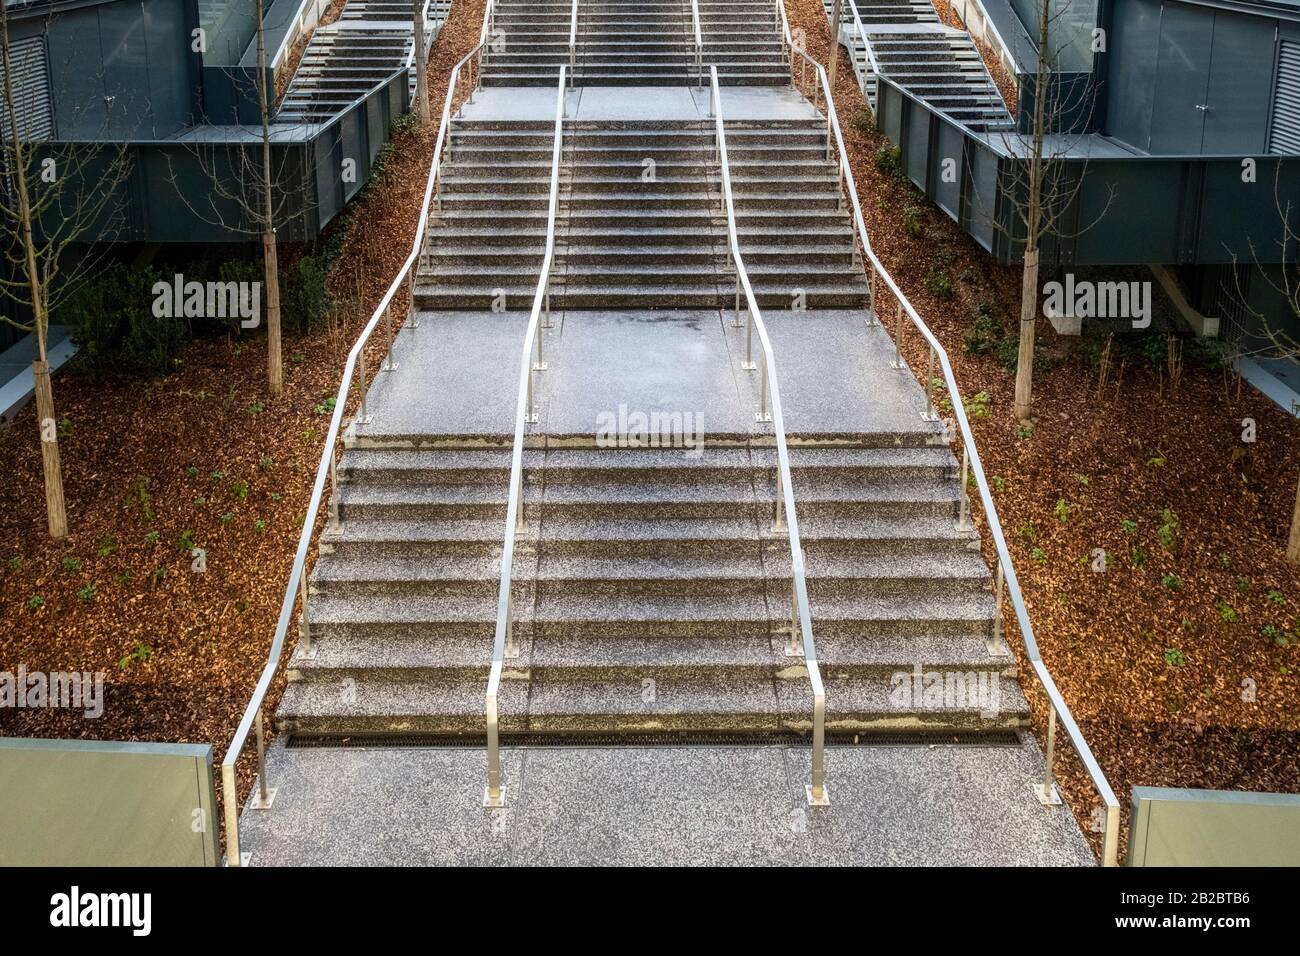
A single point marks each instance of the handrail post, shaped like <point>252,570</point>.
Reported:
<point>898,362</point>
<point>963,502</point>
<point>998,588</point>
<point>389,365</point>
<point>763,414</point>
<point>930,415</point>
<point>1047,793</point>
<point>363,418</point>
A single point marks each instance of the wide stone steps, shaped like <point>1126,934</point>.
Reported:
<point>650,592</point>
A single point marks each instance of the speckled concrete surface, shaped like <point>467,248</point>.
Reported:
<point>901,806</point>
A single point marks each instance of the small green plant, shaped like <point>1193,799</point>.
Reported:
<point>1168,531</point>
<point>186,542</point>
<point>152,537</point>
<point>1171,582</point>
<point>15,562</point>
<point>1277,597</point>
<point>265,463</point>
<point>999,483</point>
<point>191,472</point>
<point>277,497</point>
<point>34,602</point>
<point>326,406</point>
<point>228,517</point>
<point>256,408</point>
<point>66,427</point>
<point>259,526</point>
<point>1029,532</point>
<point>1039,555</point>
<point>241,607</point>
<point>126,577</point>
<point>240,490</point>
<point>297,358</point>
<point>217,475</point>
<point>1063,510</point>
<point>938,283</point>
<point>200,502</point>
<point>977,406</point>
<point>889,160</point>
<point>1129,526</point>
<point>1174,657</point>
<point>914,221</point>
<point>87,593</point>
<point>141,652</point>
<point>1082,479</point>
<point>1243,585</point>
<point>1224,562</point>
<point>1138,556</point>
<point>107,546</point>
<point>72,564</point>
<point>1025,430</point>
<point>1227,612</point>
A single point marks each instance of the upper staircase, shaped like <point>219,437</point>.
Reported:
<point>937,63</point>
<point>346,59</point>
<point>636,43</point>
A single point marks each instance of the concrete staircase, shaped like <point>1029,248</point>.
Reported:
<point>651,593</point>
<point>346,59</point>
<point>636,43</point>
<point>640,224</point>
<point>939,64</point>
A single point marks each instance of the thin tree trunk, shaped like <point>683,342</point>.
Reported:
<point>421,66</point>
<point>55,512</point>
<point>1025,356</point>
<point>274,362</point>
<point>1033,230</point>
<point>1293,541</point>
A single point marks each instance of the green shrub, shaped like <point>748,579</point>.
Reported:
<point>110,317</point>
<point>985,333</point>
<point>889,160</point>
<point>305,301</point>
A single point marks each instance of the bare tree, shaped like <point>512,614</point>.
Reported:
<point>53,195</point>
<point>421,56</point>
<point>1039,184</point>
<point>246,199</point>
<point>1285,282</point>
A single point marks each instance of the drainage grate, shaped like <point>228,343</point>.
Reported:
<point>911,738</point>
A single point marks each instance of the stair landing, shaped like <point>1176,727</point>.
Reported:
<point>672,806</point>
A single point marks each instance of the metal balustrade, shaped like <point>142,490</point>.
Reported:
<point>785,518</point>
<point>326,471</point>
<point>503,645</point>
<point>1007,585</point>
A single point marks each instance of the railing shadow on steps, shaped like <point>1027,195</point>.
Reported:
<point>1007,585</point>
<point>463,76</point>
<point>785,518</point>
<point>503,644</point>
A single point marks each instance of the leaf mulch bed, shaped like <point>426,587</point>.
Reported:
<point>1184,681</point>
<point>201,458</point>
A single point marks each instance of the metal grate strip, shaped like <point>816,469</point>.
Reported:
<point>919,738</point>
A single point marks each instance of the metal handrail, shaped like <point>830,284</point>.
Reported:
<point>1006,580</point>
<point>327,470</point>
<point>1005,57</point>
<point>573,41</point>
<point>699,41</point>
<point>862,35</point>
<point>503,645</point>
<point>785,517</point>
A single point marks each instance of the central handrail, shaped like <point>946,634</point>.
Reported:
<point>327,471</point>
<point>800,619</point>
<point>699,41</point>
<point>503,645</point>
<point>971,465</point>
<point>573,41</point>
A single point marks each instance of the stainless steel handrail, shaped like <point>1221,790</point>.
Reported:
<point>699,41</point>
<point>1006,580</point>
<point>327,470</point>
<point>503,645</point>
<point>785,517</point>
<point>573,41</point>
